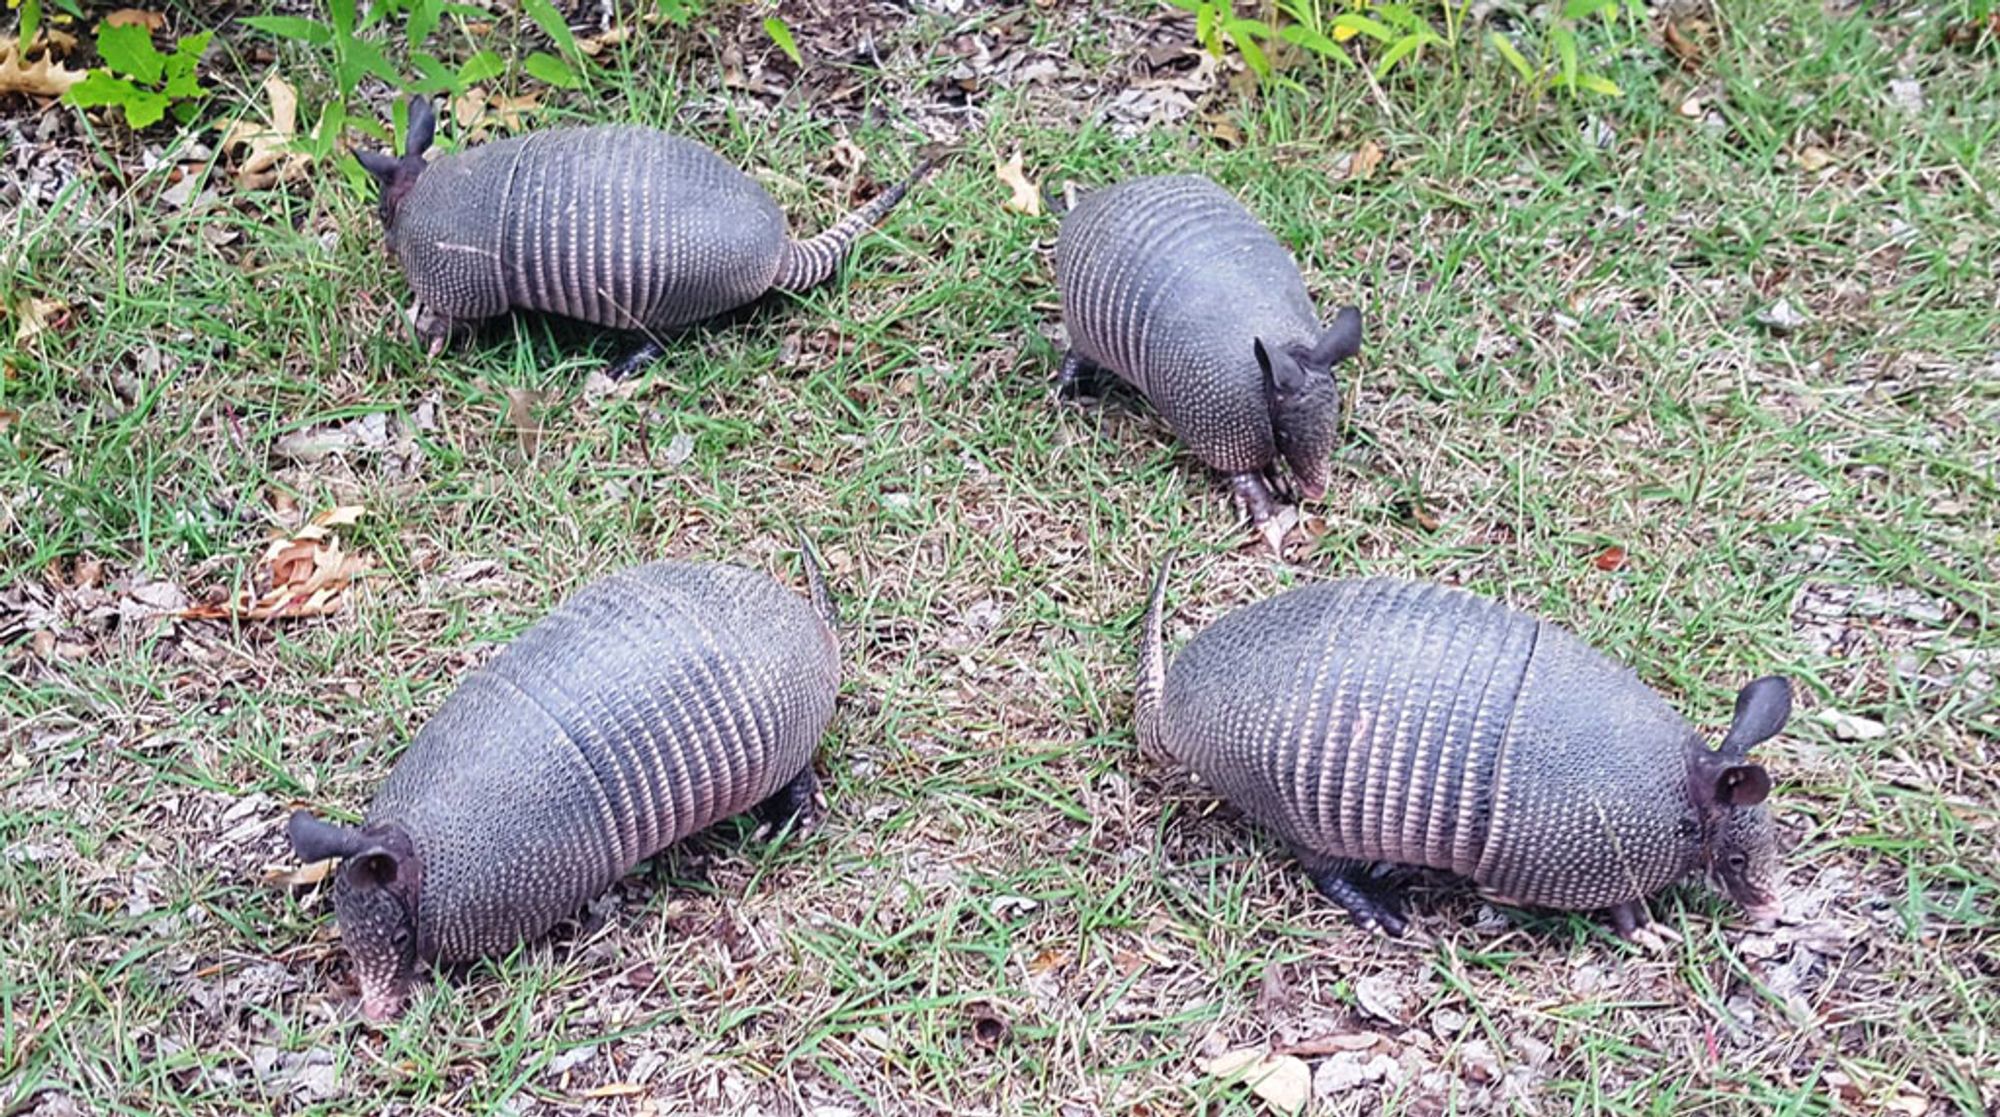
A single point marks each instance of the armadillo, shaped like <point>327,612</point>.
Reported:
<point>1172,285</point>
<point>651,704</point>
<point>1380,720</point>
<point>621,226</point>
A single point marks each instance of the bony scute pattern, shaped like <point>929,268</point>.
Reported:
<point>1172,285</point>
<point>616,225</point>
<point>649,706</point>
<point>1382,720</point>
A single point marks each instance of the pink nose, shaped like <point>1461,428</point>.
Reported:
<point>1311,490</point>
<point>379,1009</point>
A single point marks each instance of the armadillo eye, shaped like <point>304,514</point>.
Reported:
<point>1737,861</point>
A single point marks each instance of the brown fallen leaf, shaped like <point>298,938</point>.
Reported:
<point>521,404</point>
<point>1814,159</point>
<point>1283,1081</point>
<point>1684,45</point>
<point>33,315</point>
<point>310,873</point>
<point>1362,166</point>
<point>44,77</point>
<point>8,417</point>
<point>304,574</point>
<point>1610,559</point>
<point>268,158</point>
<point>1026,199</point>
<point>596,44</point>
<point>479,112</point>
<point>135,17</point>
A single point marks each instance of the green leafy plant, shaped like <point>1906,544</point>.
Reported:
<point>1561,57</point>
<point>681,12</point>
<point>355,46</point>
<point>141,81</point>
<point>1399,35</point>
<point>781,34</point>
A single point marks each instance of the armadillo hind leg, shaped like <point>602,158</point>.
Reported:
<point>1254,497</point>
<point>795,805</point>
<point>1633,921</point>
<point>636,359</point>
<point>1079,376</point>
<point>1339,880</point>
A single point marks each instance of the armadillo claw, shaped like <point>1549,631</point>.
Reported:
<point>1634,923</point>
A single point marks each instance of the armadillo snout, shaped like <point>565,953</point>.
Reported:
<point>1307,426</point>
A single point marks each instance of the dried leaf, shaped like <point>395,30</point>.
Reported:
<point>44,77</point>
<point>8,417</point>
<point>304,574</point>
<point>595,44</point>
<point>1685,45</point>
<point>1026,198</point>
<point>1814,159</point>
<point>1283,1081</point>
<point>134,17</point>
<point>33,315</point>
<point>479,112</point>
<point>269,160</point>
<point>614,1090</point>
<point>340,515</point>
<point>1362,166</point>
<point>307,874</point>
<point>1610,559</point>
<point>521,404</point>
<point>1382,996</point>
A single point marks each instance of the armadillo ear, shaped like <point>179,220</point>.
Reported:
<point>375,867</point>
<point>1282,374</point>
<point>1761,710</point>
<point>1341,340</point>
<point>422,127</point>
<point>314,840</point>
<point>382,168</point>
<point>1742,785</point>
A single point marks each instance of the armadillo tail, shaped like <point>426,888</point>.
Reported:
<point>1153,669</point>
<point>821,597</point>
<point>808,263</point>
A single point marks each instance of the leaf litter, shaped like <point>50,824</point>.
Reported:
<point>302,574</point>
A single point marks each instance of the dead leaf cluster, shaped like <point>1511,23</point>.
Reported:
<point>479,111</point>
<point>43,77</point>
<point>265,156</point>
<point>33,316</point>
<point>1026,198</point>
<point>303,574</point>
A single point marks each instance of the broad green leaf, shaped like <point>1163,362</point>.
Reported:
<point>186,111</point>
<point>1512,54</point>
<point>31,22</point>
<point>1584,9</point>
<point>547,67</point>
<point>1253,55</point>
<point>1565,41</point>
<point>1204,29</point>
<point>98,89</point>
<point>129,50</point>
<point>343,17</point>
<point>1396,52</point>
<point>552,24</point>
<point>292,27</point>
<point>1247,28</point>
<point>1597,83</point>
<point>1195,6</point>
<point>781,34</point>
<point>181,82</point>
<point>1298,34</point>
<point>424,16</point>
<point>369,58</point>
<point>1359,24</point>
<point>145,109</point>
<point>436,76</point>
<point>484,66</point>
<point>1401,16</point>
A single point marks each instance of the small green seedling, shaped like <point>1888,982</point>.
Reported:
<point>137,78</point>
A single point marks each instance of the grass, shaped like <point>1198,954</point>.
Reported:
<point>1562,357</point>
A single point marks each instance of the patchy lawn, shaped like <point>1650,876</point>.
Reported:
<point>1708,373</point>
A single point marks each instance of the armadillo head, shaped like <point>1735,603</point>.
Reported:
<point>375,898</point>
<point>393,175</point>
<point>1304,398</point>
<point>1739,841</point>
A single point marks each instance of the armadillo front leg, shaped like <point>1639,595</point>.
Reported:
<point>432,330</point>
<point>796,804</point>
<point>1337,880</point>
<point>1077,375</point>
<point>636,360</point>
<point>1634,923</point>
<point>1254,497</point>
